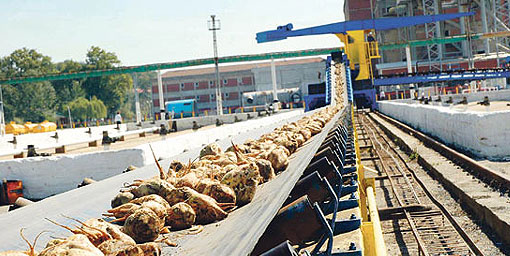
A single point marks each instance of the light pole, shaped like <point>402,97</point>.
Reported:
<point>215,25</point>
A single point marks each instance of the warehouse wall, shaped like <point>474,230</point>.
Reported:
<point>484,134</point>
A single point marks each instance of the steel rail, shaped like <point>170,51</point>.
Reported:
<point>485,174</point>
<point>421,244</point>
<point>472,246</point>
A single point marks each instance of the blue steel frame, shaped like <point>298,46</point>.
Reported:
<point>282,32</point>
<point>328,80</point>
<point>459,76</point>
<point>349,81</point>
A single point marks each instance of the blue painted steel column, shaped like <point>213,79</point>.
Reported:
<point>349,81</point>
<point>328,80</point>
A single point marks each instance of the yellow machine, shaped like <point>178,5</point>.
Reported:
<point>360,52</point>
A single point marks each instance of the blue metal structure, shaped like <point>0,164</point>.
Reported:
<point>328,79</point>
<point>314,101</point>
<point>283,32</point>
<point>348,78</point>
<point>186,107</point>
<point>456,76</point>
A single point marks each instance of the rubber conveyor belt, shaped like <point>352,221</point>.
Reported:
<point>236,235</point>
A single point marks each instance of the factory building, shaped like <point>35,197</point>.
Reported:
<point>485,50</point>
<point>200,83</point>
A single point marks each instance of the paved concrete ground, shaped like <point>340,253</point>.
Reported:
<point>494,106</point>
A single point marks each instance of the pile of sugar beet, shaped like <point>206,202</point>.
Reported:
<point>194,193</point>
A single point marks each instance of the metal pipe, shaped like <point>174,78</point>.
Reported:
<point>21,201</point>
<point>463,29</point>
<point>273,78</point>
<point>2,114</point>
<point>485,27</point>
<point>495,30</point>
<point>380,247</point>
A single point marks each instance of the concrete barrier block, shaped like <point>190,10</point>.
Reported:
<point>60,150</point>
<point>95,143</point>
<point>483,134</point>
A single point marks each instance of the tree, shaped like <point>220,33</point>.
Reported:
<point>145,81</point>
<point>79,108</point>
<point>39,101</point>
<point>97,109</point>
<point>112,89</point>
<point>32,102</point>
<point>84,109</point>
<point>68,90</point>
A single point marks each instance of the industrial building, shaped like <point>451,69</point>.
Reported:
<point>487,32</point>
<point>199,83</point>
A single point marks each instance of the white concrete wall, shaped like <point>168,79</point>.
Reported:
<point>46,176</point>
<point>483,134</point>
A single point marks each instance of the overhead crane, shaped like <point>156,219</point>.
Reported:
<point>353,33</point>
<point>359,51</point>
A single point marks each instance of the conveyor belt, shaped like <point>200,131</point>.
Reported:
<point>240,231</point>
<point>236,235</point>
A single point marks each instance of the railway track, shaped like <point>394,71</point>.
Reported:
<point>424,225</point>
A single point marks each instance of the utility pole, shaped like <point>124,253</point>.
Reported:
<point>214,25</point>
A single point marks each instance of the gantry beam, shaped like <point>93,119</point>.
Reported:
<point>169,65</point>
<point>461,76</point>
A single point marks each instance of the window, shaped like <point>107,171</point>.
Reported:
<point>197,97</point>
<point>211,82</point>
<point>182,85</point>
<point>212,96</point>
<point>196,84</point>
<point>224,81</point>
<point>239,81</point>
<point>226,95</point>
<point>187,104</point>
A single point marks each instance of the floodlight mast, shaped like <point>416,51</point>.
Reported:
<point>214,25</point>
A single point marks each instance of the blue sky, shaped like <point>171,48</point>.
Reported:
<point>142,32</point>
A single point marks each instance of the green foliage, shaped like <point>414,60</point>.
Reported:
<point>83,109</point>
<point>68,90</point>
<point>79,108</point>
<point>33,102</point>
<point>414,155</point>
<point>145,89</point>
<point>111,89</point>
<point>97,109</point>
<point>126,111</point>
<point>39,101</point>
